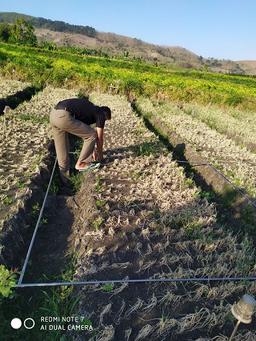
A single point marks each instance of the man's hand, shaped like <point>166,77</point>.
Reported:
<point>99,148</point>
<point>95,155</point>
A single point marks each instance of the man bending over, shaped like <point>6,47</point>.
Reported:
<point>74,116</point>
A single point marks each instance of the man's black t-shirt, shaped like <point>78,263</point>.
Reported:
<point>83,110</point>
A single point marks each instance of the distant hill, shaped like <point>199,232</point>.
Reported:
<point>53,25</point>
<point>63,33</point>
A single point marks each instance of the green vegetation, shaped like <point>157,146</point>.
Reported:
<point>100,203</point>
<point>108,287</point>
<point>98,184</point>
<point>76,181</point>
<point>35,210</point>
<point>34,118</point>
<point>44,221</point>
<point>7,200</point>
<point>21,185</point>
<point>56,184</point>
<point>7,282</point>
<point>97,223</point>
<point>190,182</point>
<point>21,32</point>
<point>194,230</point>
<point>146,149</point>
<point>59,67</point>
<point>58,301</point>
<point>210,196</point>
<point>135,175</point>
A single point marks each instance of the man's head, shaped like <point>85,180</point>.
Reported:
<point>107,112</point>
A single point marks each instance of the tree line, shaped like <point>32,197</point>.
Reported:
<point>53,25</point>
<point>61,26</point>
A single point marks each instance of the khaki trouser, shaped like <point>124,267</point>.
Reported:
<point>62,123</point>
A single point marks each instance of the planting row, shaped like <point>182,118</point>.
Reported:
<point>148,221</point>
<point>24,144</point>
<point>236,162</point>
<point>235,124</point>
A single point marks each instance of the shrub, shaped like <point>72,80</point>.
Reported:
<point>7,281</point>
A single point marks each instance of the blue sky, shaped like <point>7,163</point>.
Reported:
<point>211,28</point>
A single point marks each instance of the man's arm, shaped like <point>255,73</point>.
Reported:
<point>99,143</point>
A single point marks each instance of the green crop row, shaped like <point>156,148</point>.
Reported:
<point>65,68</point>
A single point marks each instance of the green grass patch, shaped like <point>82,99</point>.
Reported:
<point>35,303</point>
<point>100,203</point>
<point>98,184</point>
<point>146,149</point>
<point>34,118</point>
<point>108,287</point>
<point>7,201</point>
<point>97,223</point>
<point>131,76</point>
<point>7,282</point>
<point>76,181</point>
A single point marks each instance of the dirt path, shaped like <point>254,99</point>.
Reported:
<point>50,255</point>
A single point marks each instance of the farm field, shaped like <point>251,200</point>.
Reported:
<point>139,216</point>
<point>235,161</point>
<point>125,75</point>
<point>148,221</point>
<point>156,240</point>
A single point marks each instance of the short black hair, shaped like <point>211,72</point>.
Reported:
<point>107,112</point>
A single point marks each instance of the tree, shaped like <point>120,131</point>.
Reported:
<point>5,32</point>
<point>22,32</point>
<point>49,45</point>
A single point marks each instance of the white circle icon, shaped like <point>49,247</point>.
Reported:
<point>29,323</point>
<point>16,323</point>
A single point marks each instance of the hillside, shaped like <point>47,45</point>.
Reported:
<point>88,37</point>
<point>249,66</point>
<point>121,45</point>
